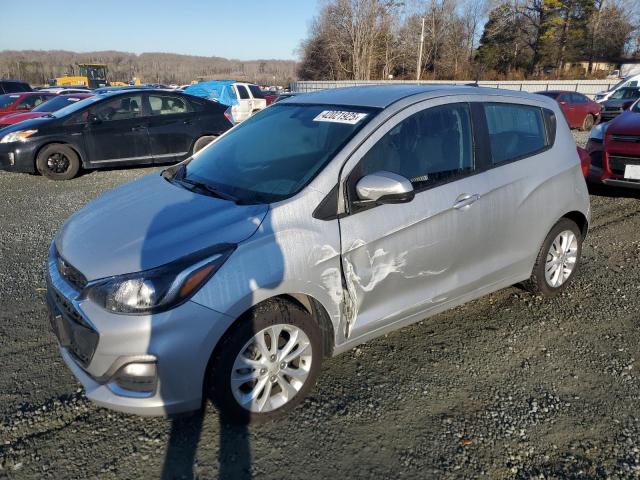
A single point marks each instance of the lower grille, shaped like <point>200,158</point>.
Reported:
<point>596,159</point>
<point>617,163</point>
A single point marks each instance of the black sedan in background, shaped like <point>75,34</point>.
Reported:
<point>131,127</point>
<point>620,101</point>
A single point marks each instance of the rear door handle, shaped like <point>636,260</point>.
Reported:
<point>137,128</point>
<point>466,200</point>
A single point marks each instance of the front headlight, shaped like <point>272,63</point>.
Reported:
<point>19,136</point>
<point>160,288</point>
<point>597,132</point>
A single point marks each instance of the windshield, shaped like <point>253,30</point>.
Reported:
<point>626,93</point>
<point>74,107</point>
<point>56,103</point>
<point>6,100</point>
<point>276,153</point>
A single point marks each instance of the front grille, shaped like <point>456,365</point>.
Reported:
<point>71,274</point>
<point>73,331</point>
<point>617,163</point>
<point>626,138</point>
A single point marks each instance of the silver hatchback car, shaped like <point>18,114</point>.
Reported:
<point>324,221</point>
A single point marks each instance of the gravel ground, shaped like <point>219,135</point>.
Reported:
<point>508,386</point>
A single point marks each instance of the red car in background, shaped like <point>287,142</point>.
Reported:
<point>579,110</point>
<point>22,102</point>
<point>614,148</point>
<point>52,105</point>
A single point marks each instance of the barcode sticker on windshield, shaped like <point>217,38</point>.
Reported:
<point>340,117</point>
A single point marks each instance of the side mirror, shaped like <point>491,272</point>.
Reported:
<point>384,187</point>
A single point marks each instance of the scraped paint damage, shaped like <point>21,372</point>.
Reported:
<point>374,269</point>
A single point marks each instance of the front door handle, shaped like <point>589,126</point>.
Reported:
<point>466,200</point>
<point>137,128</point>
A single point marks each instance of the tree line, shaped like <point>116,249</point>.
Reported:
<point>39,66</point>
<point>466,39</point>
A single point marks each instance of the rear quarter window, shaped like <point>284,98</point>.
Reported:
<point>515,131</point>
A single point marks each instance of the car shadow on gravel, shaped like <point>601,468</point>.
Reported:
<point>234,453</point>
<point>608,191</point>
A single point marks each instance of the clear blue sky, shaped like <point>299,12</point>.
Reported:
<point>245,29</point>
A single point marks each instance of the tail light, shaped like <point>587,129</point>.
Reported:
<point>229,115</point>
<point>585,160</point>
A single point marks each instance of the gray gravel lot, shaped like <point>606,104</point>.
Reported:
<point>508,386</point>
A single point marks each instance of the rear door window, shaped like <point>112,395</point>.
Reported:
<point>120,108</point>
<point>256,92</point>
<point>242,91</point>
<point>515,131</point>
<point>168,105</point>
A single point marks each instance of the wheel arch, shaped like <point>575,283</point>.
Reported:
<point>579,219</point>
<point>306,302</point>
<point>58,142</point>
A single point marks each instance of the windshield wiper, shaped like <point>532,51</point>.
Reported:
<point>208,189</point>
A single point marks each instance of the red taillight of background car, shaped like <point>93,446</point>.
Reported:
<point>229,115</point>
<point>585,160</point>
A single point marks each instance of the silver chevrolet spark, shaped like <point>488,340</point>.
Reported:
<point>324,221</point>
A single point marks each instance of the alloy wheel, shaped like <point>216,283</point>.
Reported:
<point>271,368</point>
<point>561,259</point>
<point>58,163</point>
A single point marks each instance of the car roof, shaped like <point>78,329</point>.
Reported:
<point>558,91</point>
<point>129,91</point>
<point>26,94</point>
<point>381,96</point>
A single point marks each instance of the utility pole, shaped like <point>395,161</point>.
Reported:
<point>419,68</point>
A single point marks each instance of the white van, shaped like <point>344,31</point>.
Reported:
<point>629,81</point>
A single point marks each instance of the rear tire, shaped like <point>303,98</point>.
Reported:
<point>558,259</point>
<point>587,123</point>
<point>58,162</point>
<point>278,378</point>
<point>203,142</point>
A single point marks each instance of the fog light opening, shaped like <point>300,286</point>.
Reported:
<point>137,377</point>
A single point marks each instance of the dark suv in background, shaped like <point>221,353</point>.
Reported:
<point>14,86</point>
<point>131,127</point>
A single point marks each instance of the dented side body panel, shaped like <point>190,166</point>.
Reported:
<point>290,253</point>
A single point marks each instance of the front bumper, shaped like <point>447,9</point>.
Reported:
<point>178,341</point>
<point>18,156</point>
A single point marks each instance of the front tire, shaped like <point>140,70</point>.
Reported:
<point>266,364</point>
<point>587,123</point>
<point>58,162</point>
<point>558,259</point>
<point>203,142</point>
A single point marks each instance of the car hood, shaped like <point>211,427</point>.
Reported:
<point>150,222</point>
<point>627,123</point>
<point>20,117</point>
<point>619,102</point>
<point>31,124</point>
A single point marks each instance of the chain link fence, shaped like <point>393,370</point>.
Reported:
<point>587,87</point>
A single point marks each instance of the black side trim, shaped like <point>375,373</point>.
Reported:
<point>482,147</point>
<point>328,207</point>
